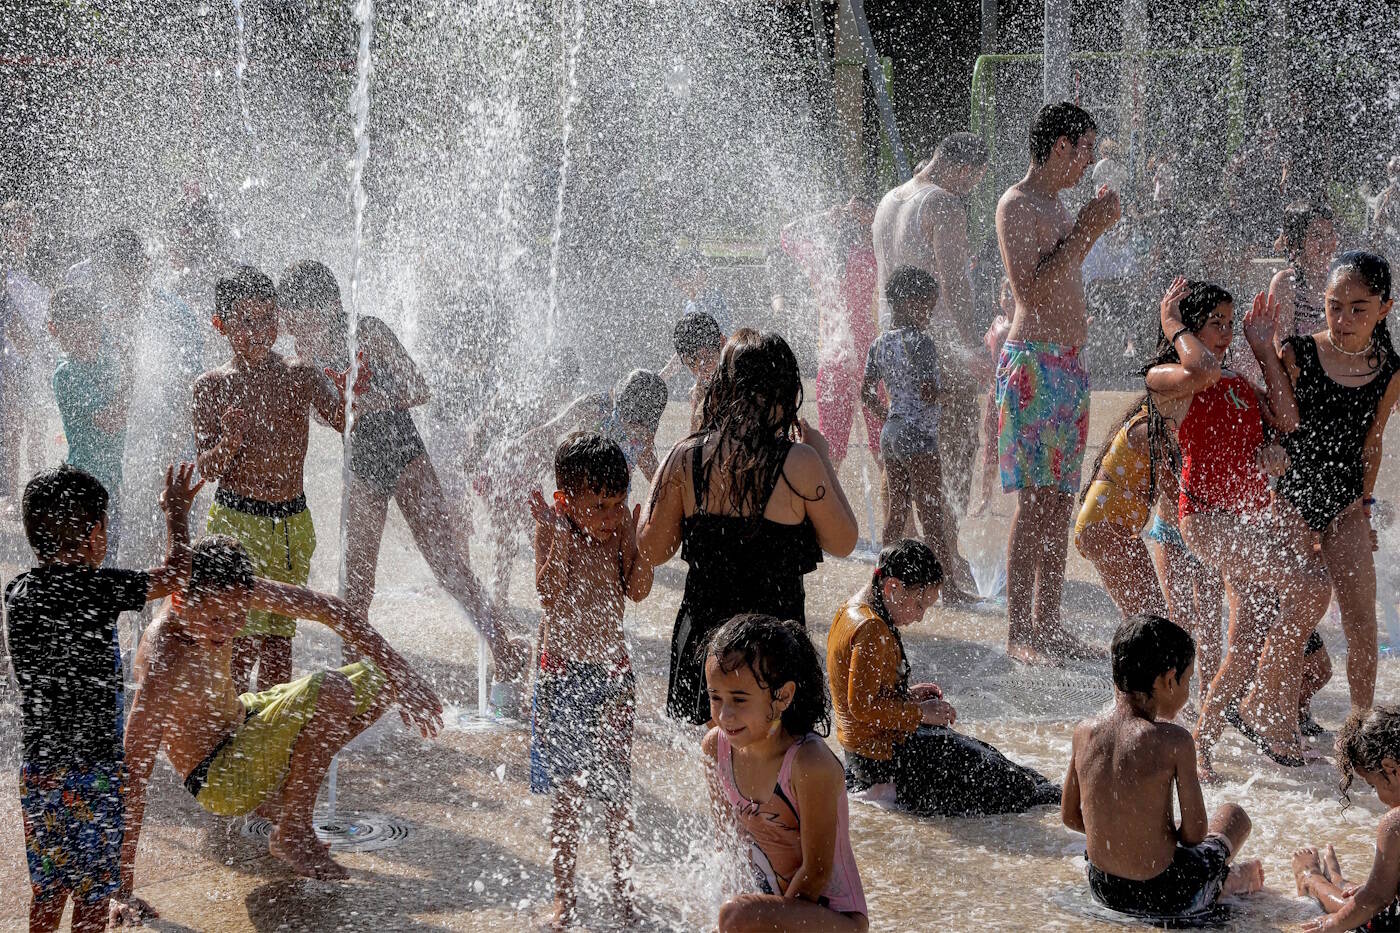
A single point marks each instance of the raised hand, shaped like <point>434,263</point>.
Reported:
<point>1101,212</point>
<point>180,489</point>
<point>1261,323</point>
<point>809,435</point>
<point>419,706</point>
<point>1170,314</point>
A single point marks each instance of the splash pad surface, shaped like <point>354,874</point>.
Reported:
<point>470,849</point>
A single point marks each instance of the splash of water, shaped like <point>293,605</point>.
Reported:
<point>568,103</point>
<point>240,68</point>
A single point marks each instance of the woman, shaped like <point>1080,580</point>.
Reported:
<point>752,501</point>
<point>894,733</point>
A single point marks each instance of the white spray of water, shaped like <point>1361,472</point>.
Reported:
<point>569,100</point>
<point>240,69</point>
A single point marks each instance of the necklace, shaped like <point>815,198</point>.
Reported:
<point>1366,351</point>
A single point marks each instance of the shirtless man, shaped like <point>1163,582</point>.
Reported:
<point>923,223</point>
<point>252,417</point>
<point>1042,387</point>
<point>268,750</point>
<point>1118,789</point>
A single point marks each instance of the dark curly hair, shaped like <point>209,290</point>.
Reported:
<point>777,652</point>
<point>1367,740</point>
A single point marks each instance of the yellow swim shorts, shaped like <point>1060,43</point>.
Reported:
<point>279,539</point>
<point>252,762</point>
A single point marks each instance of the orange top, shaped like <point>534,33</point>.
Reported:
<point>862,665</point>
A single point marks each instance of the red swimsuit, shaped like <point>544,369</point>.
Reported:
<point>1219,438</point>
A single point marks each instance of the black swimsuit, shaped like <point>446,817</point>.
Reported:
<point>1326,470</point>
<point>738,564</point>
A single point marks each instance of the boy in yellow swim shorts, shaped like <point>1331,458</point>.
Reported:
<point>252,418</point>
<point>267,750</point>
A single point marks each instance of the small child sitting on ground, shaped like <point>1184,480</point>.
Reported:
<point>1368,746</point>
<point>698,343</point>
<point>586,562</point>
<point>1119,786</point>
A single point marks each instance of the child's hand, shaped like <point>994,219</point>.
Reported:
<point>1272,460</point>
<point>813,438</point>
<point>1101,212</point>
<point>362,376</point>
<point>419,706</point>
<point>937,712</point>
<point>923,692</point>
<point>1170,313</point>
<point>549,519</point>
<point>1261,323</point>
<point>130,910</point>
<point>232,424</point>
<point>180,489</point>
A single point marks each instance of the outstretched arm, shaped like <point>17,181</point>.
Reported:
<point>1260,325</point>
<point>180,490</point>
<point>1379,889</point>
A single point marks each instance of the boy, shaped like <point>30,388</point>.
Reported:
<point>1042,385</point>
<point>1119,787</point>
<point>61,621</point>
<point>86,381</point>
<point>698,342</point>
<point>265,750</point>
<point>251,423</point>
<point>586,561</point>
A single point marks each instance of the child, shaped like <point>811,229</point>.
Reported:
<point>698,342</point>
<point>1118,789</point>
<point>1368,746</point>
<point>905,359</point>
<point>387,457</point>
<point>61,621</point>
<point>266,750</point>
<point>773,779</point>
<point>85,382</point>
<point>251,423</point>
<point>586,561</point>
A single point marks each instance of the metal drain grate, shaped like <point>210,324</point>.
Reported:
<point>345,832</point>
<point>1050,696</point>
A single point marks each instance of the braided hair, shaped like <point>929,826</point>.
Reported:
<point>912,563</point>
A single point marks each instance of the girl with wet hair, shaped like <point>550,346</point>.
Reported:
<point>1308,238</point>
<point>1368,747</point>
<point>897,736</point>
<point>1343,379</point>
<point>751,500</point>
<point>1277,592</point>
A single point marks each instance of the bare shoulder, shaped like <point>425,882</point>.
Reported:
<point>815,760</point>
<point>803,463</point>
<point>1171,738</point>
<point>213,380</point>
<point>710,743</point>
<point>1388,829</point>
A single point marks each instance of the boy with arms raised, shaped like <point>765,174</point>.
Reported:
<point>586,562</point>
<point>61,625</point>
<point>252,418</point>
<point>265,750</point>
<point>1118,791</point>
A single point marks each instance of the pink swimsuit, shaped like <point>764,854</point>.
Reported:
<point>774,828</point>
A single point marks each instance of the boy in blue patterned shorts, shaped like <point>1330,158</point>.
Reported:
<point>1042,387</point>
<point>61,623</point>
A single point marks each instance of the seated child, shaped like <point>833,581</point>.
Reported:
<point>698,342</point>
<point>85,382</point>
<point>774,782</point>
<point>61,621</point>
<point>1118,789</point>
<point>1368,746</point>
<point>586,561</point>
<point>266,750</point>
<point>252,418</point>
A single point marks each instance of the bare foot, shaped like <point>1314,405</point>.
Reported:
<point>952,595</point>
<point>304,854</point>
<point>1032,656</point>
<point>1205,768</point>
<point>1331,868</point>
<point>1245,877</point>
<point>1306,862</point>
<point>563,916</point>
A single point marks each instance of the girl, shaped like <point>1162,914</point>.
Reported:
<point>905,359</point>
<point>1342,378</point>
<point>775,784</point>
<point>894,733</point>
<point>1224,495</point>
<point>752,500</point>
<point>1368,746</point>
<point>387,456</point>
<point>1308,239</point>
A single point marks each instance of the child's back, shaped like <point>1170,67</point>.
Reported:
<point>82,389</point>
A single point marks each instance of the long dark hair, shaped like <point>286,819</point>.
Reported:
<point>1161,448</point>
<point>777,652</point>
<point>1374,272</point>
<point>751,404</point>
<point>912,563</point>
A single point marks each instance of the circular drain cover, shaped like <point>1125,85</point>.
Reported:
<point>1056,696</point>
<point>345,832</point>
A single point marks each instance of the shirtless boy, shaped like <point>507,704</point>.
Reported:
<point>1118,791</point>
<point>268,749</point>
<point>1042,386</point>
<point>586,562</point>
<point>252,417</point>
<point>698,343</point>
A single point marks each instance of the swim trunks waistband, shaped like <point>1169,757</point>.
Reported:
<point>248,506</point>
<point>194,782</point>
<point>1041,346</point>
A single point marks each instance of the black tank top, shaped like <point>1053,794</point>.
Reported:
<point>1326,472</point>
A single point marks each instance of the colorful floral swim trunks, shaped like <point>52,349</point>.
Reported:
<point>74,820</point>
<point>1043,423</point>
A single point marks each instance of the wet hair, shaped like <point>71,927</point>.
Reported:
<point>72,309</point>
<point>1366,740</point>
<point>245,283</point>
<point>1144,648</point>
<point>308,285</point>
<point>1053,121</point>
<point>777,652</point>
<point>60,508</point>
<point>905,286</point>
<point>586,463</point>
<point>219,563</point>
<point>695,333</point>
<point>1201,299</point>
<point>1162,447</point>
<point>1374,272</point>
<point>961,149</point>
<point>751,404</point>
<point>912,563</point>
<point>641,398</point>
<point>1297,218</point>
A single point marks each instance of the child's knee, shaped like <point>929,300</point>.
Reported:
<point>336,694</point>
<point>736,913</point>
<point>1233,822</point>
